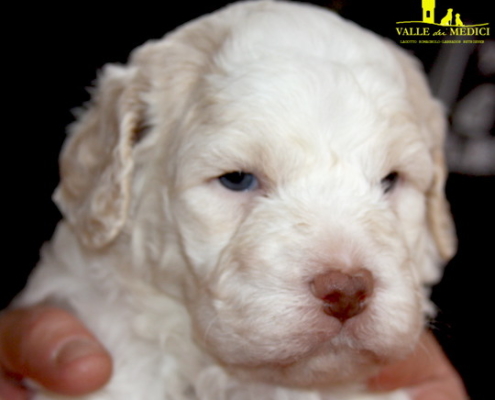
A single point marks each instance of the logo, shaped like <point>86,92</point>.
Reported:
<point>450,27</point>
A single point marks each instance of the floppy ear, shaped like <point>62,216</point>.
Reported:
<point>432,116</point>
<point>438,210</point>
<point>96,163</point>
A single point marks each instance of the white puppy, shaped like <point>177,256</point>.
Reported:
<point>253,209</point>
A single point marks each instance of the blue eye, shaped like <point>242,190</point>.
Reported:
<point>239,181</point>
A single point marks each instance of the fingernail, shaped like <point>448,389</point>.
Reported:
<point>75,350</point>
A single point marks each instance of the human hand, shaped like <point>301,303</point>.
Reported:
<point>426,373</point>
<point>51,347</point>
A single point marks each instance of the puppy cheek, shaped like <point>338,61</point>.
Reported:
<point>205,228</point>
<point>243,319</point>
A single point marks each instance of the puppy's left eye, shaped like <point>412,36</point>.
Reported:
<point>239,181</point>
<point>390,181</point>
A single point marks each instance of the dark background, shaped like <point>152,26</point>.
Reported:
<point>51,54</point>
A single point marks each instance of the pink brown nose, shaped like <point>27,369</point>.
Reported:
<point>344,295</point>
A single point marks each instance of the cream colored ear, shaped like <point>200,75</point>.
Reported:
<point>432,115</point>
<point>439,216</point>
<point>96,162</point>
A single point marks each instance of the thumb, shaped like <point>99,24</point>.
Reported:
<point>51,347</point>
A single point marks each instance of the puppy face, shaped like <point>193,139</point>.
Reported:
<point>314,194</point>
<point>288,189</point>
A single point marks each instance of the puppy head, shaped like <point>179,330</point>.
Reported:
<point>289,188</point>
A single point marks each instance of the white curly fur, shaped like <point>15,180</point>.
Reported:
<point>203,293</point>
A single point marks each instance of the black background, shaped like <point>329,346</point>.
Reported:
<point>51,54</point>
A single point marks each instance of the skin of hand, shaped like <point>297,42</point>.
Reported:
<point>53,348</point>
<point>426,373</point>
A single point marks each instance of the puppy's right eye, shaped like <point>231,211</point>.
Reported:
<point>239,181</point>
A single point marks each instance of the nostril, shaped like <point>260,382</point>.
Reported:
<point>344,295</point>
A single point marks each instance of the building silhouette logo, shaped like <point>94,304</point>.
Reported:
<point>437,24</point>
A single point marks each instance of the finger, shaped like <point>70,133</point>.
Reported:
<point>53,348</point>
<point>426,372</point>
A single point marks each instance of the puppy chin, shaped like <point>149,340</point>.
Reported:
<point>326,367</point>
<point>340,357</point>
